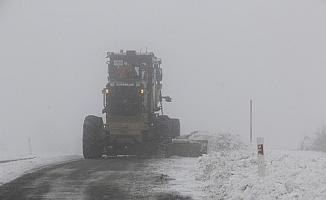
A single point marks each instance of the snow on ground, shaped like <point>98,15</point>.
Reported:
<point>230,172</point>
<point>183,175</point>
<point>218,142</point>
<point>4,155</point>
<point>12,170</point>
<point>179,177</point>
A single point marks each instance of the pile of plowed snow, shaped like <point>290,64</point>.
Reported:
<point>231,172</point>
<point>218,142</point>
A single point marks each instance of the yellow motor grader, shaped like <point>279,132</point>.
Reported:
<point>134,122</point>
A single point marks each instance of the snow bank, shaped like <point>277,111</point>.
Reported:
<point>218,141</point>
<point>232,174</point>
<point>12,170</point>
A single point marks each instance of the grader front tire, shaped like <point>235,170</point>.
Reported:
<point>93,139</point>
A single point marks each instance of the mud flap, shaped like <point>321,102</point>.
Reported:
<point>188,148</point>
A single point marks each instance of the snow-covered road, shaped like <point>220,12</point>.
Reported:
<point>117,178</point>
<point>229,171</point>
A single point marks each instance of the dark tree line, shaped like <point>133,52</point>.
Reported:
<point>316,143</point>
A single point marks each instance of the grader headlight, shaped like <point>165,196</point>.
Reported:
<point>142,91</point>
<point>106,91</point>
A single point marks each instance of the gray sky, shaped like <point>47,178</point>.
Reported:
<point>216,56</point>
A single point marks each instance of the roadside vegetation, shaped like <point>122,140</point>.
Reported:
<point>315,143</point>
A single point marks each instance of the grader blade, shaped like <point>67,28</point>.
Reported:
<point>188,148</point>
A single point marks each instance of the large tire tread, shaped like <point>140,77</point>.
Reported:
<point>93,141</point>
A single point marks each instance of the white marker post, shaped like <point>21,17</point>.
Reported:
<point>261,157</point>
<point>30,151</point>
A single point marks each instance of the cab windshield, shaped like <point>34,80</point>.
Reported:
<point>126,73</point>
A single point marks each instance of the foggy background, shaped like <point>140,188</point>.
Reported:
<point>216,56</point>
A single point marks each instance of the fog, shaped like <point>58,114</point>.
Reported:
<point>216,55</point>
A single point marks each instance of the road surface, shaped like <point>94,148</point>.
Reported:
<point>114,179</point>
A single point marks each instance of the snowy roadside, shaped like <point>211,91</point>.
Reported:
<point>178,177</point>
<point>230,173</point>
<point>4,156</point>
<point>12,170</point>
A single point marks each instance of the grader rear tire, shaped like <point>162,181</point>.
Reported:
<point>93,137</point>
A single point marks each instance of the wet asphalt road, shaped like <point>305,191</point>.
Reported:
<point>114,179</point>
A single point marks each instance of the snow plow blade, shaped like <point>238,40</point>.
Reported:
<point>188,148</point>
